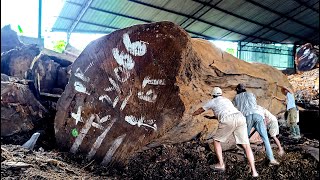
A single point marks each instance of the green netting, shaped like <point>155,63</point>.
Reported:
<point>277,55</point>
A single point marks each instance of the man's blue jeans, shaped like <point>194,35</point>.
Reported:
<point>256,121</point>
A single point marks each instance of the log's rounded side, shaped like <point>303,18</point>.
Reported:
<point>122,92</point>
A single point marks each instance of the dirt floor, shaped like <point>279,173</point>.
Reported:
<point>189,160</point>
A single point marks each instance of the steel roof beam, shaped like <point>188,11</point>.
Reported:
<point>277,25</point>
<point>81,31</point>
<point>86,22</point>
<point>312,36</point>
<point>281,14</point>
<point>115,28</point>
<point>306,5</point>
<point>80,15</point>
<point>203,12</point>
<point>110,12</point>
<point>40,19</point>
<point>207,22</point>
<point>202,6</point>
<point>123,15</point>
<point>249,20</point>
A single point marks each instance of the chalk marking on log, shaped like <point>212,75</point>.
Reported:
<point>105,118</point>
<point>109,89</point>
<point>115,145</point>
<point>125,101</point>
<point>99,140</point>
<point>96,125</point>
<point>123,59</point>
<point>305,54</point>
<point>311,56</point>
<point>125,74</point>
<point>79,74</point>
<point>77,116</point>
<point>102,97</point>
<point>82,134</point>
<point>38,82</point>
<point>115,101</point>
<point>78,86</point>
<point>150,96</point>
<point>90,65</point>
<point>137,48</point>
<point>35,59</point>
<point>97,118</point>
<point>115,85</point>
<point>147,80</point>
<point>139,122</point>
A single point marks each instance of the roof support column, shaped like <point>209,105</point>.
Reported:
<point>77,20</point>
<point>39,19</point>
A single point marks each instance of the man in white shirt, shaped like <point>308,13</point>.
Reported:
<point>272,126</point>
<point>231,121</point>
<point>292,119</point>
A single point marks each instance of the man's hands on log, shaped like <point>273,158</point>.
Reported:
<point>199,111</point>
<point>282,100</point>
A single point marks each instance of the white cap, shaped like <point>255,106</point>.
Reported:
<point>216,91</point>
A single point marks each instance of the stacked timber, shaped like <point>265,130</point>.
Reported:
<point>31,82</point>
<point>137,87</point>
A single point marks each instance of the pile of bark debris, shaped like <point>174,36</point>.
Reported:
<point>32,80</point>
<point>306,87</point>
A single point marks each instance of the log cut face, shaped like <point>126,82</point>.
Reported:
<point>16,62</point>
<point>122,92</point>
<point>137,88</point>
<point>44,72</point>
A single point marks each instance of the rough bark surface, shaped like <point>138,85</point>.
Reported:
<point>16,62</point>
<point>9,39</point>
<point>31,82</point>
<point>44,72</point>
<point>20,110</point>
<point>137,88</point>
<point>307,57</point>
<point>48,72</point>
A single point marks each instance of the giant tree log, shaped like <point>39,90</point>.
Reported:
<point>306,58</point>
<point>44,72</point>
<point>136,88</point>
<point>17,61</point>
<point>9,39</point>
<point>20,110</point>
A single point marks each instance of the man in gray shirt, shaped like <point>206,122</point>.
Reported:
<point>247,104</point>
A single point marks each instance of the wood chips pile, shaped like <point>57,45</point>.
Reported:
<point>305,85</point>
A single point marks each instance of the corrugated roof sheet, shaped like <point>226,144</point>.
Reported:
<point>295,21</point>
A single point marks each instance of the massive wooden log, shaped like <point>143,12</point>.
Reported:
<point>306,58</point>
<point>44,72</point>
<point>47,71</point>
<point>20,110</point>
<point>16,62</point>
<point>137,88</point>
<point>9,39</point>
